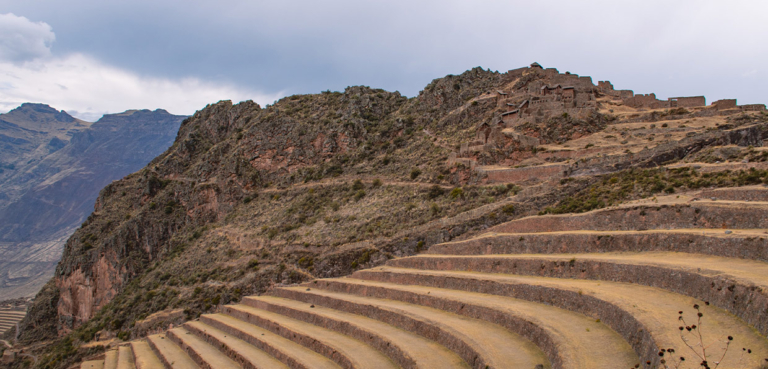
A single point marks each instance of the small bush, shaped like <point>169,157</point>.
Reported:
<point>415,173</point>
<point>272,232</point>
<point>419,246</point>
<point>357,185</point>
<point>508,209</point>
<point>434,209</point>
<point>434,192</point>
<point>359,195</point>
<point>376,183</point>
<point>457,192</point>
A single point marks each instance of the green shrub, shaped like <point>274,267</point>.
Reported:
<point>415,173</point>
<point>457,192</point>
<point>434,192</point>
<point>357,185</point>
<point>272,232</point>
<point>434,209</point>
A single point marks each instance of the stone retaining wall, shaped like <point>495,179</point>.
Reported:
<point>403,321</point>
<point>390,349</point>
<point>254,341</point>
<point>642,217</point>
<point>751,193</point>
<point>213,341</point>
<point>513,175</point>
<point>735,246</point>
<point>747,301</point>
<point>634,332</point>
<point>304,340</point>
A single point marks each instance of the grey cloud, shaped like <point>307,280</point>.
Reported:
<point>670,48</point>
<point>23,40</point>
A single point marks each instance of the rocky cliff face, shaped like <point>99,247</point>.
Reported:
<point>221,155</point>
<point>47,196</point>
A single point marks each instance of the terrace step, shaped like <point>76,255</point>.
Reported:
<point>125,358</point>
<point>169,353</point>
<point>12,312</point>
<point>205,355</point>
<point>285,350</point>
<point>736,285</point>
<point>11,315</point>
<point>92,364</point>
<point>642,216</point>
<point>144,357</point>
<point>745,193</point>
<point>110,359</point>
<point>344,350</point>
<point>236,349</point>
<point>478,342</point>
<point>735,243</point>
<point>646,317</point>
<point>407,349</point>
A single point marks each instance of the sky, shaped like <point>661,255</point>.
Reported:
<point>94,57</point>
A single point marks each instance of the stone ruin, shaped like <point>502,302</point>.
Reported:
<point>547,94</point>
<point>649,101</point>
<point>539,94</point>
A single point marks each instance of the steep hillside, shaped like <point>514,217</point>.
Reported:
<point>47,197</point>
<point>28,134</point>
<point>248,199</point>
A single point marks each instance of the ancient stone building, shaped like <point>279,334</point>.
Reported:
<point>753,107</point>
<point>513,116</point>
<point>687,102</point>
<point>645,101</point>
<point>724,104</point>
<point>606,88</point>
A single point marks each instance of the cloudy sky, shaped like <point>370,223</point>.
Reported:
<point>93,57</point>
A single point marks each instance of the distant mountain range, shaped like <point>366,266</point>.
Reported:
<point>52,167</point>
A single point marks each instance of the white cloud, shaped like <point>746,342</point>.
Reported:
<point>22,40</point>
<point>87,88</point>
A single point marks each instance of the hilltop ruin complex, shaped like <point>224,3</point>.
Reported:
<point>536,95</point>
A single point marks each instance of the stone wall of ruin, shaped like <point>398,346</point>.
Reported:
<point>646,101</point>
<point>512,175</point>
<point>753,107</point>
<point>687,102</point>
<point>724,104</point>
